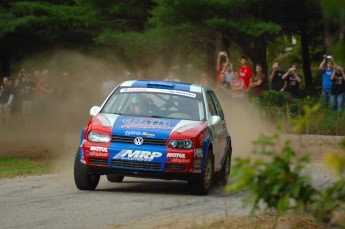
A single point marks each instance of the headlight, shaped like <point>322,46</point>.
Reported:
<point>181,144</point>
<point>98,137</point>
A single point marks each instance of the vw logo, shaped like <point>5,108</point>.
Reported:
<point>138,141</point>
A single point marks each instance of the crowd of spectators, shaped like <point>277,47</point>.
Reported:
<point>243,82</point>
<point>31,97</point>
<point>28,99</point>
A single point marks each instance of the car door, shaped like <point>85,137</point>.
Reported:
<point>221,132</point>
<point>215,130</point>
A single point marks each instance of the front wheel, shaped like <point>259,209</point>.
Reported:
<point>82,179</point>
<point>203,186</point>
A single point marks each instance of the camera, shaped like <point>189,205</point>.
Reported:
<point>293,69</point>
<point>327,56</point>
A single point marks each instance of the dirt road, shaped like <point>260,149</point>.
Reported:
<point>53,201</point>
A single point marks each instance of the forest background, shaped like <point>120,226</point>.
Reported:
<point>138,33</point>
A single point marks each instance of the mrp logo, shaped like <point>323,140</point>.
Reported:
<point>137,155</point>
<point>99,149</point>
<point>176,155</point>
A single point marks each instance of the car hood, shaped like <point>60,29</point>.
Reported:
<point>145,127</point>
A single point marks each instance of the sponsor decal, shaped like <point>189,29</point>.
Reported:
<point>187,127</point>
<point>145,123</point>
<point>137,155</point>
<point>136,133</point>
<point>97,154</point>
<point>99,149</point>
<point>105,122</point>
<point>176,155</point>
<point>148,134</point>
<point>166,91</point>
<point>180,161</point>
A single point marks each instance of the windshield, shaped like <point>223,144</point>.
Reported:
<point>153,102</point>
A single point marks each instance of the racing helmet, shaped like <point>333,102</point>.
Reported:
<point>140,101</point>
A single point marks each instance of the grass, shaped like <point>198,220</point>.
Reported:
<point>17,166</point>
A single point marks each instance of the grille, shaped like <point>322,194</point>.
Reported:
<point>147,141</point>
<point>98,161</point>
<point>175,167</point>
<point>137,165</point>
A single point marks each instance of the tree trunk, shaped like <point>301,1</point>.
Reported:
<point>305,60</point>
<point>259,56</point>
<point>5,59</point>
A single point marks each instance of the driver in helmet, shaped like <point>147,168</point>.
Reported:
<point>139,104</point>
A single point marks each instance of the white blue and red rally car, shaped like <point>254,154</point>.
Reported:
<point>156,129</point>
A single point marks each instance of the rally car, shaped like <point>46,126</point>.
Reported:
<point>156,129</point>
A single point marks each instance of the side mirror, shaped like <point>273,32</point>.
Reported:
<point>94,110</point>
<point>215,120</point>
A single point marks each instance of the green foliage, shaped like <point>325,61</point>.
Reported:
<point>306,116</point>
<point>274,179</point>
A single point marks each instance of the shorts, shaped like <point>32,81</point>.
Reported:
<point>27,107</point>
<point>5,111</point>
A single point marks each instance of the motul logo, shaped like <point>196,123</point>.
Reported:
<point>176,155</point>
<point>99,149</point>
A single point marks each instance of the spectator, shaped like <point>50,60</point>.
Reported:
<point>108,85</point>
<point>46,93</point>
<point>223,87</point>
<point>65,86</point>
<point>172,76</point>
<point>27,94</point>
<point>277,83</point>
<point>245,71</point>
<point>203,80</point>
<point>338,89</point>
<point>292,81</point>
<point>221,65</point>
<point>125,76</point>
<point>237,86</point>
<point>257,83</point>
<point>6,100</point>
<point>326,76</point>
<point>141,75</point>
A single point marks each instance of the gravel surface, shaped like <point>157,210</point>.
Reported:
<point>53,201</point>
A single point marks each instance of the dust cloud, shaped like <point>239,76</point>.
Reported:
<point>245,124</point>
<point>55,129</point>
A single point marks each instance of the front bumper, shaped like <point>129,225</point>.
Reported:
<point>144,174</point>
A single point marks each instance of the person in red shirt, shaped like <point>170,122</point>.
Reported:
<point>245,71</point>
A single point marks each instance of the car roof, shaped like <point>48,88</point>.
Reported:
<point>180,86</point>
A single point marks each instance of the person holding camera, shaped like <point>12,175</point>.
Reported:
<point>326,76</point>
<point>277,83</point>
<point>223,66</point>
<point>338,89</point>
<point>292,81</point>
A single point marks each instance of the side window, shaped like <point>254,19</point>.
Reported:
<point>210,103</point>
<point>217,104</point>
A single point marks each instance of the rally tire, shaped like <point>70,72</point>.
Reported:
<point>82,179</point>
<point>221,178</point>
<point>115,178</point>
<point>203,185</point>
